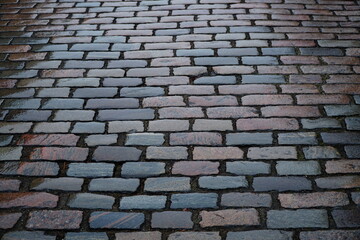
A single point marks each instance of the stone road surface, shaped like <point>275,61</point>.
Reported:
<point>180,120</point>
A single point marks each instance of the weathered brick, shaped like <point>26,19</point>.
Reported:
<point>61,184</point>
<point>320,152</point>
<point>222,182</point>
<point>194,236</point>
<point>199,138</point>
<point>343,166</point>
<point>189,168</point>
<point>57,153</point>
<point>338,182</point>
<point>247,168</point>
<point>298,168</point>
<point>143,202</point>
<point>272,153</point>
<point>142,169</point>
<point>175,153</point>
<point>281,184</point>
<point>194,200</point>
<point>260,235</point>
<point>328,234</point>
<point>90,201</point>
<point>246,200</point>
<point>249,138</point>
<point>267,124</point>
<point>138,235</point>
<point>167,184</point>
<point>346,218</point>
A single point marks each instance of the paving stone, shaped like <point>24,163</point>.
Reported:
<point>272,153</point>
<point>320,152</point>
<point>143,202</point>
<point>56,153</point>
<point>320,123</point>
<point>172,220</point>
<point>90,201</point>
<point>352,123</point>
<point>154,235</point>
<point>338,182</point>
<point>298,168</point>
<point>7,185</point>
<point>8,220</point>
<point>10,153</point>
<point>217,153</point>
<point>352,151</point>
<point>28,200</point>
<point>168,125</point>
<point>188,168</point>
<point>29,115</point>
<point>125,126</point>
<point>86,236</point>
<point>341,138</point>
<point>116,154</point>
<point>222,182</point>
<point>19,127</point>
<point>5,140</point>
<point>342,110</point>
<point>145,139</point>
<point>249,139</point>
<point>246,200</point>
<point>170,153</point>
<point>142,169</point>
<point>116,220</point>
<point>199,138</point>
<point>281,184</point>
<point>30,168</point>
<point>328,234</point>
<point>95,140</point>
<point>194,200</point>
<point>300,138</point>
<point>48,139</point>
<point>126,114</point>
<point>309,200</point>
<point>54,219</point>
<point>229,217</point>
<point>302,218</point>
<point>216,80</point>
<point>167,184</point>
<point>194,236</point>
<point>90,170</point>
<point>27,235</point>
<point>247,168</point>
<point>141,92</point>
<point>114,185</point>
<point>342,166</point>
<point>112,103</point>
<point>60,184</point>
<point>260,235</point>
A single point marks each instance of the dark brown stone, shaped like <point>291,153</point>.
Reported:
<point>28,200</point>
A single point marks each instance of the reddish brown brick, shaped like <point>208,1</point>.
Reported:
<point>8,83</point>
<point>27,56</point>
<point>342,60</point>
<point>309,200</point>
<point>55,153</point>
<point>181,112</point>
<point>28,200</point>
<point>213,101</point>
<point>189,168</point>
<point>48,139</point>
<point>267,124</point>
<point>217,153</point>
<point>278,69</point>
<point>51,219</point>
<point>230,217</point>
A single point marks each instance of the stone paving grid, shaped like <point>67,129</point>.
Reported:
<point>179,119</point>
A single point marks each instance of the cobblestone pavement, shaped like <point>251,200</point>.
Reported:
<point>180,119</point>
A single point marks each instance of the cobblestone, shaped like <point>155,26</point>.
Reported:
<point>180,119</point>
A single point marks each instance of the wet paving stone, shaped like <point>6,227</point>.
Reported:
<point>183,119</point>
<point>229,217</point>
<point>263,184</point>
<point>260,235</point>
<point>301,218</point>
<point>142,169</point>
<point>86,236</point>
<point>61,184</point>
<point>194,200</point>
<point>114,185</point>
<point>27,235</point>
<point>28,200</point>
<point>143,202</point>
<point>8,220</point>
<point>90,201</point>
<point>90,170</point>
<point>116,154</point>
<point>172,220</point>
<point>54,219</point>
<point>30,168</point>
<point>116,220</point>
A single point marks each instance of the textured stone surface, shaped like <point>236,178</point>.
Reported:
<point>116,220</point>
<point>297,219</point>
<point>230,217</point>
<point>48,219</point>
